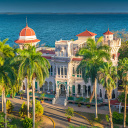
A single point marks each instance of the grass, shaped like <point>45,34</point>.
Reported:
<point>101,121</point>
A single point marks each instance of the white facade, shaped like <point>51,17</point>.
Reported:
<point>63,79</point>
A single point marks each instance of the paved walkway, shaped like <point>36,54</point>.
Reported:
<point>57,112</point>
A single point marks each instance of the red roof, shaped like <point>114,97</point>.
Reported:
<point>86,33</point>
<point>26,41</point>
<point>76,59</point>
<point>114,102</point>
<point>48,51</point>
<point>108,33</point>
<point>47,57</point>
<point>27,31</point>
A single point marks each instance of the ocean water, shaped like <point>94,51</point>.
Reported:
<point>52,27</point>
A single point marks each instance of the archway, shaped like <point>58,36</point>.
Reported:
<point>62,90</point>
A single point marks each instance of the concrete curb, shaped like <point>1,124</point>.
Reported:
<point>51,120</point>
<point>84,118</point>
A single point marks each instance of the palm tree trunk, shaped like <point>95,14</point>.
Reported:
<point>27,99</point>
<point>2,101</point>
<point>125,103</point>
<point>110,113</point>
<point>96,116</point>
<point>5,109</point>
<point>33,93</point>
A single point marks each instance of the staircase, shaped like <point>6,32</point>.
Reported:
<point>60,100</point>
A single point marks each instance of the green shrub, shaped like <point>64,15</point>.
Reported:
<point>23,110</point>
<point>118,118</point>
<point>9,106</point>
<point>69,112</point>
<point>2,122</point>
<point>27,122</point>
<point>107,118</point>
<point>39,110</point>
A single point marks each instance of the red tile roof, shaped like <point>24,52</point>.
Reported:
<point>47,57</point>
<point>27,32</point>
<point>26,41</point>
<point>108,33</point>
<point>86,33</point>
<point>76,59</point>
<point>48,51</point>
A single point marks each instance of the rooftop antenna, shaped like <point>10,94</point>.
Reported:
<point>108,27</point>
<point>26,21</point>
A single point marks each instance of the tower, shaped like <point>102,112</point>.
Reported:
<point>108,35</point>
<point>27,36</point>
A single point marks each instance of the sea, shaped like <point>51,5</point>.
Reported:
<point>52,27</point>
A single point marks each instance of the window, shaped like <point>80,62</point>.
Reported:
<point>65,69</point>
<point>79,73</point>
<point>58,70</point>
<point>62,71</point>
<point>73,71</point>
<point>61,53</point>
<point>100,93</point>
<point>51,70</point>
<point>113,56</point>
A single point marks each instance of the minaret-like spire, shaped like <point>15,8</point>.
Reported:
<point>26,21</point>
<point>108,27</point>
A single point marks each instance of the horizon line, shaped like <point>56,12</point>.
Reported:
<point>63,12</point>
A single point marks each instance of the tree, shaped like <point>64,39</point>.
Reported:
<point>34,66</point>
<point>93,55</point>
<point>123,71</point>
<point>7,79</point>
<point>5,52</point>
<point>108,79</point>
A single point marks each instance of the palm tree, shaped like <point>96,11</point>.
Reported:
<point>123,71</point>
<point>7,79</point>
<point>33,66</point>
<point>5,52</point>
<point>108,79</point>
<point>93,54</point>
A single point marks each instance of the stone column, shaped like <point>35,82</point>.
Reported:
<point>82,90</point>
<point>87,91</point>
<point>67,91</point>
<point>76,89</point>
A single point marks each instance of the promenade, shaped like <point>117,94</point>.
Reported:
<point>57,112</point>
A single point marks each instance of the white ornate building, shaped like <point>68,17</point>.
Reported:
<point>64,79</point>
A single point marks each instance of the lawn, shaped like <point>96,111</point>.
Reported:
<point>101,121</point>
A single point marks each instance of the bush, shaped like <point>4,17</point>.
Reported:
<point>39,110</point>
<point>27,122</point>
<point>118,118</point>
<point>107,118</point>
<point>9,106</point>
<point>69,112</point>
<point>2,122</point>
<point>23,110</point>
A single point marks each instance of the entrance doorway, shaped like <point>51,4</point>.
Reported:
<point>62,90</point>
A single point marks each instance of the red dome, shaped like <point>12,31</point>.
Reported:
<point>27,31</point>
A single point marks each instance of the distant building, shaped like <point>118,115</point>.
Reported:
<point>64,79</point>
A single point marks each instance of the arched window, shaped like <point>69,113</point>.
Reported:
<point>113,56</point>
<point>100,93</point>
<point>79,86</point>
<point>106,97</point>
<point>113,94</point>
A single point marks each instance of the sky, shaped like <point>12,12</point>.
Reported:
<point>63,6</point>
